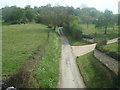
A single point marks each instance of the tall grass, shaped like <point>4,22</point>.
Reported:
<point>47,72</point>
<point>95,74</point>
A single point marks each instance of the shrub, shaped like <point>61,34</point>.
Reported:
<point>67,28</point>
<point>100,43</point>
<point>38,19</point>
<point>77,33</point>
<point>74,29</point>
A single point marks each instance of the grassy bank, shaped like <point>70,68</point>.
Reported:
<point>113,47</point>
<point>74,42</point>
<point>95,74</point>
<point>111,50</point>
<point>48,69</point>
<point>19,43</point>
<point>31,52</point>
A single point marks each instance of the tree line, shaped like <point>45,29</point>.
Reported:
<point>59,15</point>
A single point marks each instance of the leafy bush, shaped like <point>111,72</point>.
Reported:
<point>77,33</point>
<point>73,28</point>
<point>100,43</point>
<point>38,19</point>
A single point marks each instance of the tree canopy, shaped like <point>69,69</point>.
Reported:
<point>58,15</point>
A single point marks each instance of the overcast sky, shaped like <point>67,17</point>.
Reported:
<point>98,4</point>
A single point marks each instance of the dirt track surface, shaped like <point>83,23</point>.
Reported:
<point>70,76</point>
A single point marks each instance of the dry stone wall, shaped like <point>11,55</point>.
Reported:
<point>111,63</point>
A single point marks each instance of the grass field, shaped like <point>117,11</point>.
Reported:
<point>19,42</point>
<point>47,73</point>
<point>111,47</point>
<point>95,74</point>
<point>98,33</point>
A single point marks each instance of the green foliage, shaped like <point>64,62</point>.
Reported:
<point>98,33</point>
<point>74,42</point>
<point>55,16</point>
<point>118,19</point>
<point>94,73</point>
<point>111,50</point>
<point>17,15</point>
<point>105,20</point>
<point>73,28</point>
<point>24,46</point>
<point>77,32</point>
<point>29,14</point>
<point>47,72</point>
<point>19,42</point>
<point>12,14</point>
<point>38,18</point>
<point>101,43</point>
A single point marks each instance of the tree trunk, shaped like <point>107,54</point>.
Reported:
<point>87,24</point>
<point>113,27</point>
<point>105,30</point>
<point>54,28</point>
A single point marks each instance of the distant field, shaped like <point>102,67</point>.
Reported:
<point>95,74</point>
<point>98,33</point>
<point>19,42</point>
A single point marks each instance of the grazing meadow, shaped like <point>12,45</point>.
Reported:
<point>19,42</point>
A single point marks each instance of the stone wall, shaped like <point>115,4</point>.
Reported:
<point>111,63</point>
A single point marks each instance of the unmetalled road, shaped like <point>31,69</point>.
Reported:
<point>69,76</point>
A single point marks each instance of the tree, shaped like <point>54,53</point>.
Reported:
<point>118,19</point>
<point>85,16</point>
<point>105,20</point>
<point>70,10</point>
<point>55,16</point>
<point>114,20</point>
<point>73,28</point>
<point>12,14</point>
<point>29,13</point>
